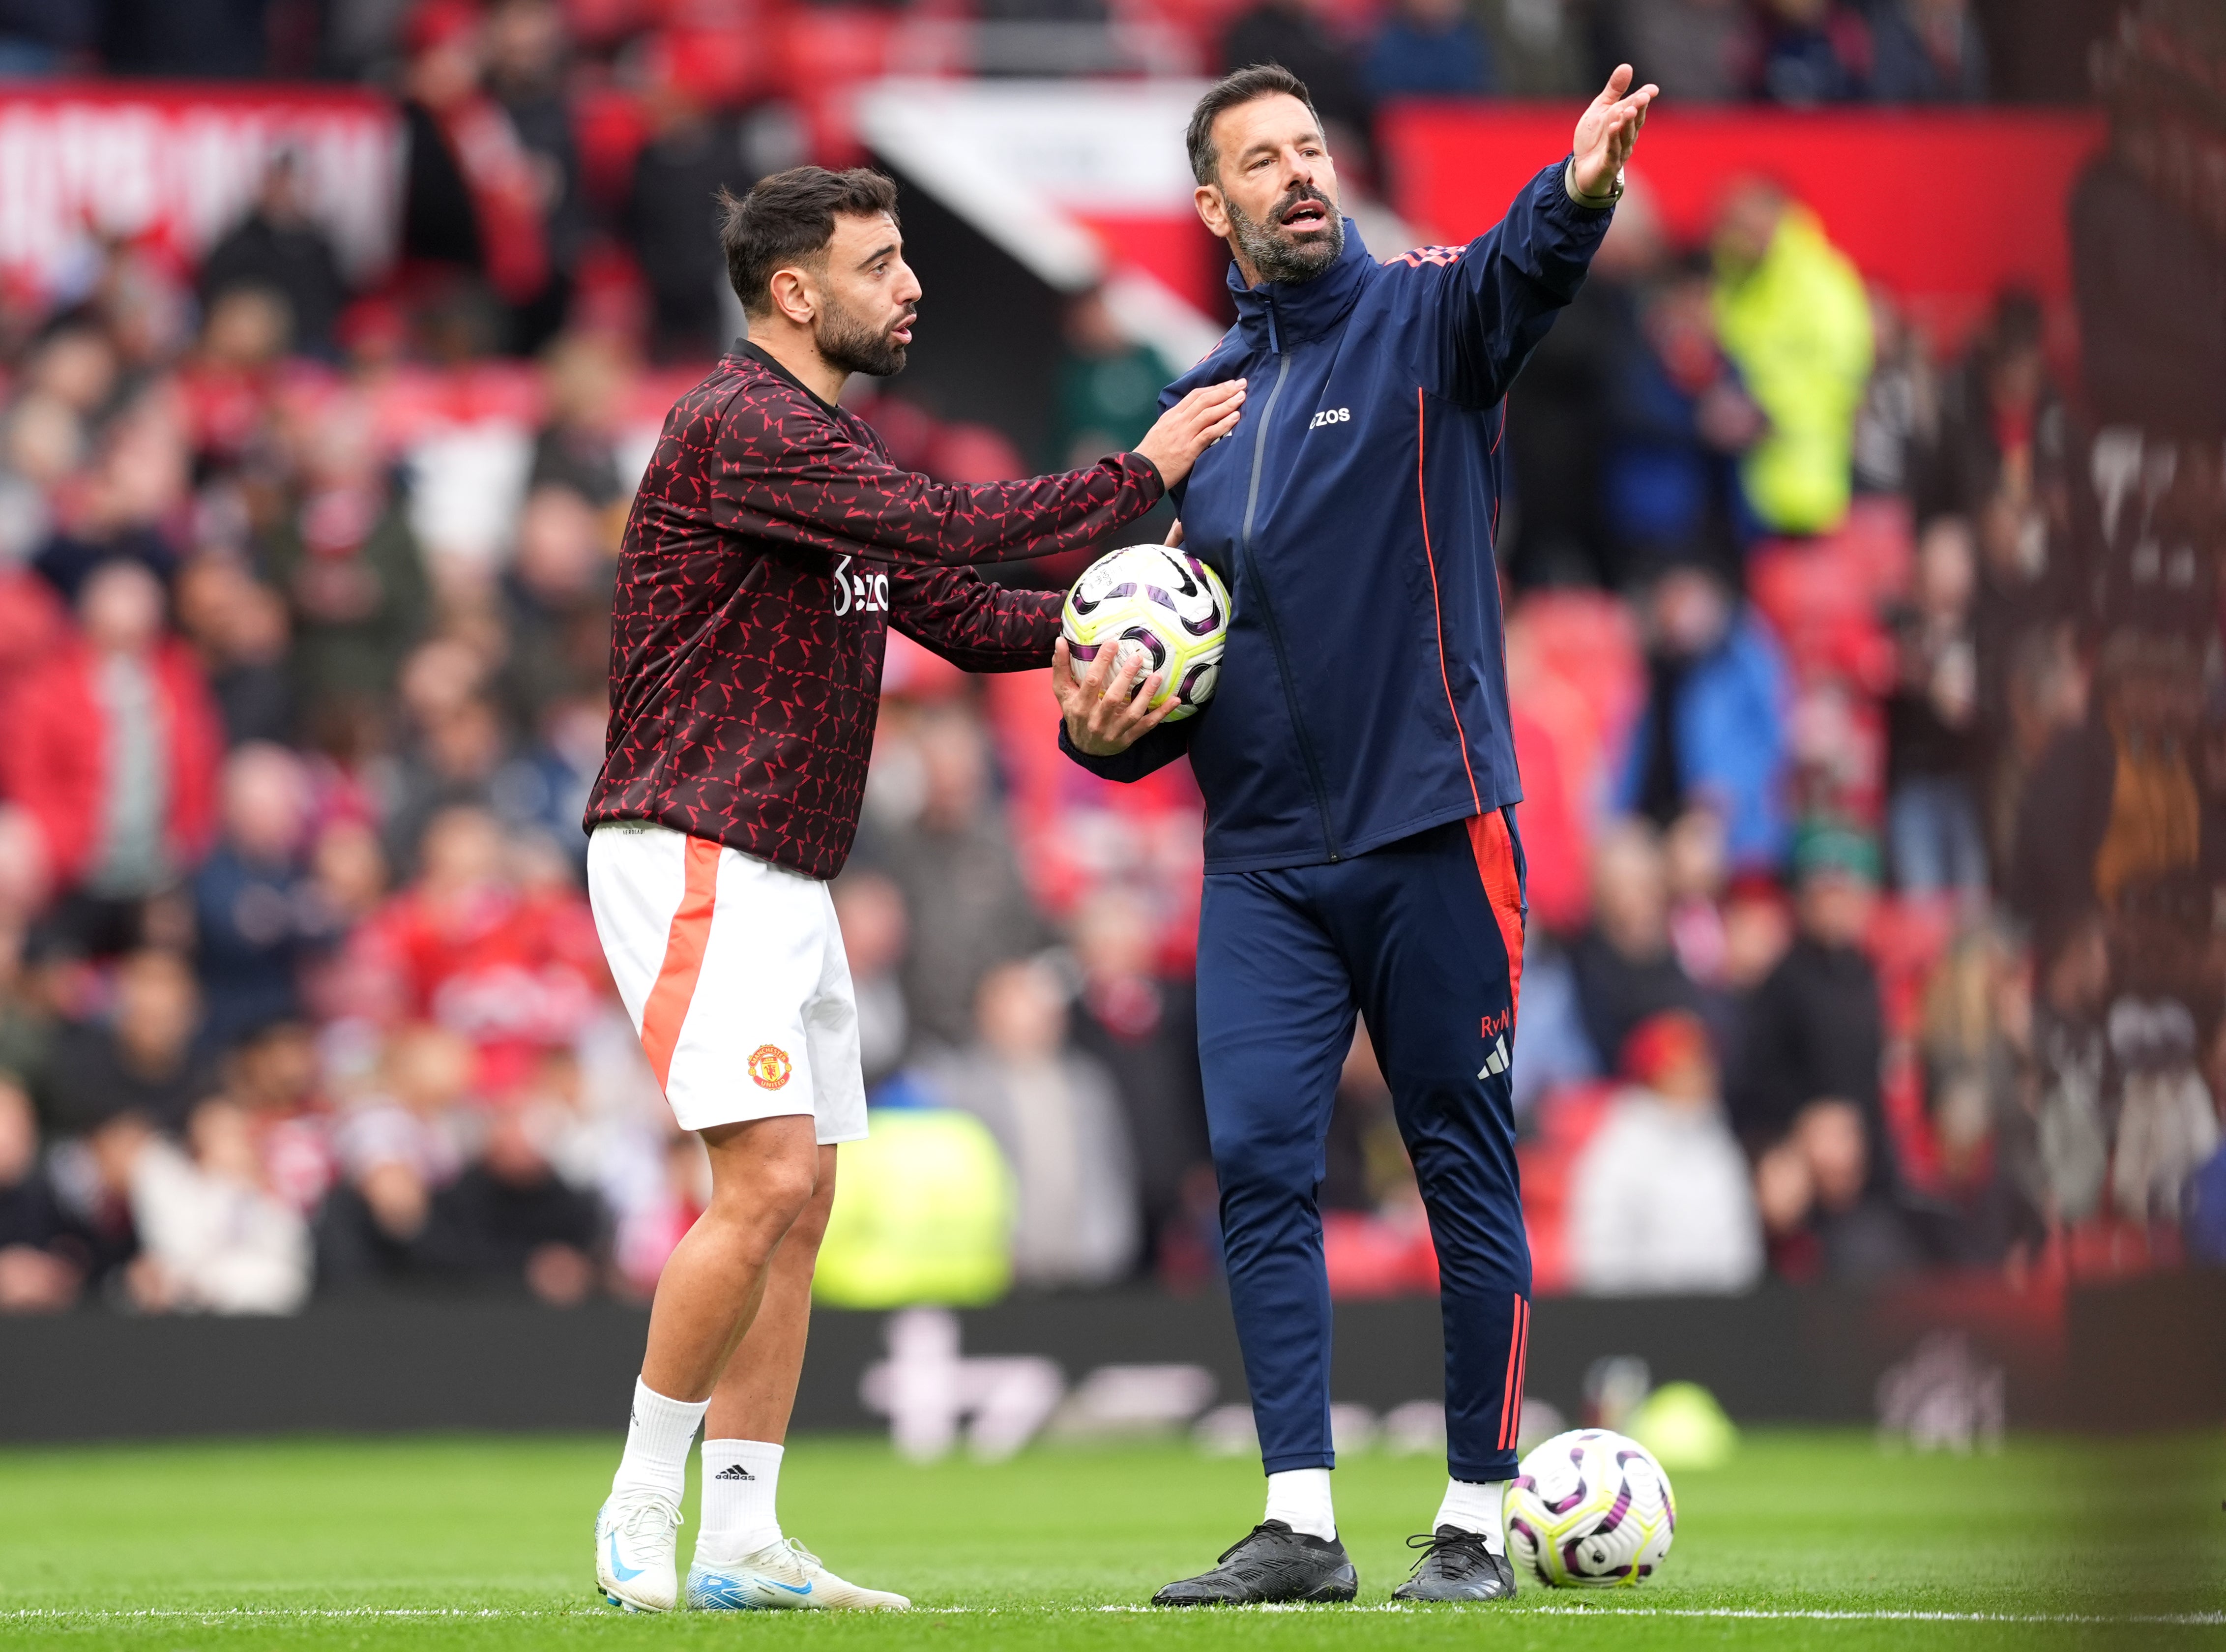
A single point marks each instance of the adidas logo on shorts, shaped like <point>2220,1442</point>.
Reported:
<point>1495,1063</point>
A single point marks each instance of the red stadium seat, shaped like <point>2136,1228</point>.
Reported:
<point>1369,1255</point>
<point>1575,682</point>
<point>609,126</point>
<point>1823,596</point>
<point>1568,1119</point>
<point>1075,832</point>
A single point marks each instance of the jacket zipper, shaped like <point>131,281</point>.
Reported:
<point>1268,608</point>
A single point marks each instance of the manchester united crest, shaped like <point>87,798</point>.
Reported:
<point>770,1066</point>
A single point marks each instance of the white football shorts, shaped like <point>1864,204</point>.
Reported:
<point>734,972</point>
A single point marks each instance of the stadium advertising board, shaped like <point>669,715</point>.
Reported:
<point>1944,209</point>
<point>173,167</point>
<point>1083,182</point>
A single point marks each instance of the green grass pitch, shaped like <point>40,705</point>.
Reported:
<point>1807,1539</point>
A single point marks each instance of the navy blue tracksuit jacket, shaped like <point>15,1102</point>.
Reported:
<point>1359,781</point>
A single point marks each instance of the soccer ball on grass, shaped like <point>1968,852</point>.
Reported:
<point>1589,1509</point>
<point>1154,599</point>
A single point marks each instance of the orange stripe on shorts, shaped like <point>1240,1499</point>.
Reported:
<point>684,958</point>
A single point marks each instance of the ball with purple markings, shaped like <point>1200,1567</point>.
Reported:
<point>1589,1509</point>
<point>1170,607</point>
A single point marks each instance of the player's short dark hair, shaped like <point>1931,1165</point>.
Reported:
<point>790,218</point>
<point>1239,86</point>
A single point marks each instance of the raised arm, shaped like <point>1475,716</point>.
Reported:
<point>1499,296</point>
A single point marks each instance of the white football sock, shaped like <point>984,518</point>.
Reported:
<point>742,1479</point>
<point>1300,1498</point>
<point>658,1438</point>
<point>1473,1506</point>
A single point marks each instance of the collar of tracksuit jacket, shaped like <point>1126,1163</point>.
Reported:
<point>1276,314</point>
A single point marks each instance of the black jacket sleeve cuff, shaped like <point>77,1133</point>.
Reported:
<point>1563,185</point>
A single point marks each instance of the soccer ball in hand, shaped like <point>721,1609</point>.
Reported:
<point>1590,1509</point>
<point>1172,607</point>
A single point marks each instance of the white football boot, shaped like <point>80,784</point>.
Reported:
<point>637,1535</point>
<point>780,1577</point>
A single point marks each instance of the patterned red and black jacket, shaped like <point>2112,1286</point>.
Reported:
<point>771,546</point>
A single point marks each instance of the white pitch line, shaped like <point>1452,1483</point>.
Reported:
<point>121,1614</point>
<point>124,1614</point>
<point>2190,1620</point>
<point>1811,1614</point>
<point>1826,1615</point>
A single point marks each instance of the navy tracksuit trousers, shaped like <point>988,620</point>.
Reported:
<point>1423,937</point>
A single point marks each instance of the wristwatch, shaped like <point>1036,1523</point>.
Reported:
<point>1596,202</point>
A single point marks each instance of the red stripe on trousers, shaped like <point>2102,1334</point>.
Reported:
<point>1522,1377</point>
<point>1495,864</point>
<point>1510,1395</point>
<point>667,1005</point>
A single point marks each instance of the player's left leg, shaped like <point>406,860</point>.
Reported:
<point>762,1175</point>
<point>731,969</point>
<point>743,1561</point>
<point>1437,954</point>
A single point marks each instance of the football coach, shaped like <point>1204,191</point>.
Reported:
<point>1359,781</point>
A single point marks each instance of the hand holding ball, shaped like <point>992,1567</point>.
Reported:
<point>1155,601</point>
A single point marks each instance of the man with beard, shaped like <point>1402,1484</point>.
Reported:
<point>771,546</point>
<point>1360,784</point>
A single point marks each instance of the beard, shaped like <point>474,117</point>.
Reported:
<point>848,342</point>
<point>1273,250</point>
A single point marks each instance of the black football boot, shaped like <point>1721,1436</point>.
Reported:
<point>1271,1563</point>
<point>1456,1566</point>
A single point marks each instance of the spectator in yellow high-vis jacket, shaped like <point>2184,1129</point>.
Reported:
<point>1794,316</point>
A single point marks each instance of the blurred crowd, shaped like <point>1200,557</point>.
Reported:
<point>1869,688</point>
<point>557,152</point>
<point>1900,917</point>
<point>1795,52</point>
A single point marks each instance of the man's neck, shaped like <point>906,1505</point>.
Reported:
<point>795,349</point>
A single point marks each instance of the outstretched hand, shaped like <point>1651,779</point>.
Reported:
<point>1107,709</point>
<point>1609,132</point>
<point>1191,426</point>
